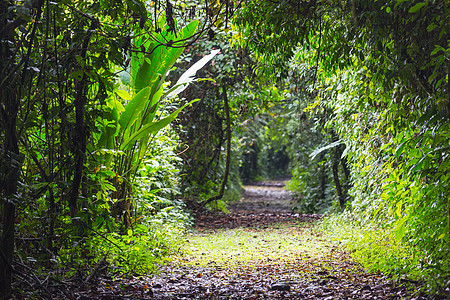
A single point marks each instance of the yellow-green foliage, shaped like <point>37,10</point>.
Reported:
<point>376,249</point>
<point>142,249</point>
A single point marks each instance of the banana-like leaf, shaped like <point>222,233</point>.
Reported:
<point>170,54</point>
<point>188,76</point>
<point>184,33</point>
<point>329,146</point>
<point>134,108</point>
<point>143,143</point>
<point>147,73</point>
<point>153,69</point>
<point>137,58</point>
<point>150,110</point>
<point>152,128</point>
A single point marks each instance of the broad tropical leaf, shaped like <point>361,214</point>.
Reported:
<point>324,148</point>
<point>152,127</point>
<point>134,108</point>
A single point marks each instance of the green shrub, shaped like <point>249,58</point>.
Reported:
<point>379,250</point>
<point>144,248</point>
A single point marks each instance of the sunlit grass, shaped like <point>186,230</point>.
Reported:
<point>234,247</point>
<point>375,249</point>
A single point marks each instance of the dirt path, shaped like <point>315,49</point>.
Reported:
<point>266,197</point>
<point>260,205</point>
<point>261,250</point>
<point>264,251</point>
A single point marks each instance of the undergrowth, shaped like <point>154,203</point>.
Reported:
<point>143,248</point>
<point>378,250</point>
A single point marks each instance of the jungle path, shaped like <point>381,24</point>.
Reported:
<point>263,250</point>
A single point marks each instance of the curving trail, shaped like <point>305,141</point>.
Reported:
<point>275,254</point>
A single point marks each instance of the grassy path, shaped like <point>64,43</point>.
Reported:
<point>262,251</point>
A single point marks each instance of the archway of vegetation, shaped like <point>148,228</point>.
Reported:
<point>122,120</point>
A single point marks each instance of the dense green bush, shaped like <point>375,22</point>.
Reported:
<point>379,87</point>
<point>400,170</point>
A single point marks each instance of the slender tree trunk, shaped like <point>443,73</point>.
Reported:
<point>80,127</point>
<point>337,182</point>
<point>341,189</point>
<point>344,163</point>
<point>10,172</point>
<point>10,159</point>
<point>323,178</point>
<point>228,159</point>
<point>80,144</point>
<point>10,164</point>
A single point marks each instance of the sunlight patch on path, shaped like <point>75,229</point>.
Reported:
<point>279,244</point>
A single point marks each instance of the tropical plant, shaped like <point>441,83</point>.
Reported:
<point>128,129</point>
<point>67,140</point>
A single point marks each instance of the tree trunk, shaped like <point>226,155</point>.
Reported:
<point>10,159</point>
<point>341,188</point>
<point>80,127</point>
<point>9,191</point>
<point>228,159</point>
<point>323,182</point>
<point>337,182</point>
<point>10,165</point>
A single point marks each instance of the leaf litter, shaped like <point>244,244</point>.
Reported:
<point>261,250</point>
<point>238,256</point>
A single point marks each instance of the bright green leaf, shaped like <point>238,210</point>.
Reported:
<point>152,128</point>
<point>123,94</point>
<point>417,7</point>
<point>134,108</point>
<point>400,229</point>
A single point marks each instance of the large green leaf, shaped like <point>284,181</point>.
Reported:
<point>152,128</point>
<point>143,143</point>
<point>155,66</point>
<point>150,109</point>
<point>183,34</point>
<point>147,72</point>
<point>134,108</point>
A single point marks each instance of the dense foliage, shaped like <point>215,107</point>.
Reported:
<point>203,126</point>
<point>84,175</point>
<point>352,97</point>
<point>381,84</point>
